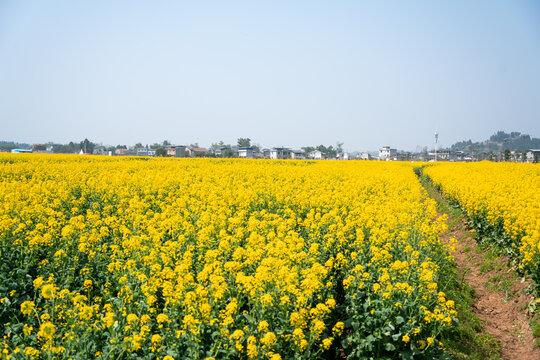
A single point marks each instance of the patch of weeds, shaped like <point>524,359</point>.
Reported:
<point>504,279</point>
<point>453,222</point>
<point>472,259</point>
<point>519,332</point>
<point>464,273</point>
<point>490,259</point>
<point>535,326</point>
<point>494,346</point>
<point>504,285</point>
<point>486,267</point>
<point>494,280</point>
<point>466,249</point>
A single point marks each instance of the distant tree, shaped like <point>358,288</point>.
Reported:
<point>87,146</point>
<point>228,152</point>
<point>194,145</point>
<point>256,148</point>
<point>138,145</point>
<point>535,159</point>
<point>9,145</point>
<point>339,147</point>
<point>60,149</point>
<point>39,147</point>
<point>507,154</point>
<point>244,142</point>
<point>329,151</point>
<point>166,143</point>
<point>121,146</point>
<point>524,156</point>
<point>499,136</point>
<point>160,151</point>
<point>308,149</point>
<point>218,146</point>
<point>70,148</point>
<point>74,148</point>
<point>214,147</point>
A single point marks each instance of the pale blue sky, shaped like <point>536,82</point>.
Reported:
<point>282,73</point>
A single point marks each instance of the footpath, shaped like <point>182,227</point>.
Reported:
<point>495,321</point>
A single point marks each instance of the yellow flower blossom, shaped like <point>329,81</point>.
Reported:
<point>48,291</point>
<point>47,330</point>
<point>27,307</point>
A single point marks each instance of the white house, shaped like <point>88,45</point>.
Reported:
<point>386,153</point>
<point>315,155</point>
<point>280,153</point>
<point>245,152</point>
<point>531,155</point>
<point>363,156</point>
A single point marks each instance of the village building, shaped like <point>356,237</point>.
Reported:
<point>298,155</point>
<point>316,155</point>
<point>176,151</point>
<point>280,153</point>
<point>246,152</point>
<point>387,153</point>
<point>196,151</point>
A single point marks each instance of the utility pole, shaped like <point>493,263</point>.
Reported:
<point>436,143</point>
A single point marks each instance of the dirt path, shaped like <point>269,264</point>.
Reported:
<point>500,302</point>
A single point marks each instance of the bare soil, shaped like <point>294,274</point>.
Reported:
<point>505,317</point>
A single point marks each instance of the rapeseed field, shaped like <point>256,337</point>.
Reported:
<point>139,258</point>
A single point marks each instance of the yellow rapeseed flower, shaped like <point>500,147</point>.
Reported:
<point>27,307</point>
<point>46,330</point>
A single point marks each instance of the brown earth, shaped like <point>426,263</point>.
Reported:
<point>504,317</point>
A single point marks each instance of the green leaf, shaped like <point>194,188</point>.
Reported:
<point>248,317</point>
<point>172,353</point>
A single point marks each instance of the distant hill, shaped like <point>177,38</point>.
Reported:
<point>500,141</point>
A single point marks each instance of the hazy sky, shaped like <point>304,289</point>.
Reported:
<point>282,73</point>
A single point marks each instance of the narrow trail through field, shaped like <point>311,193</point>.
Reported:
<point>500,302</point>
